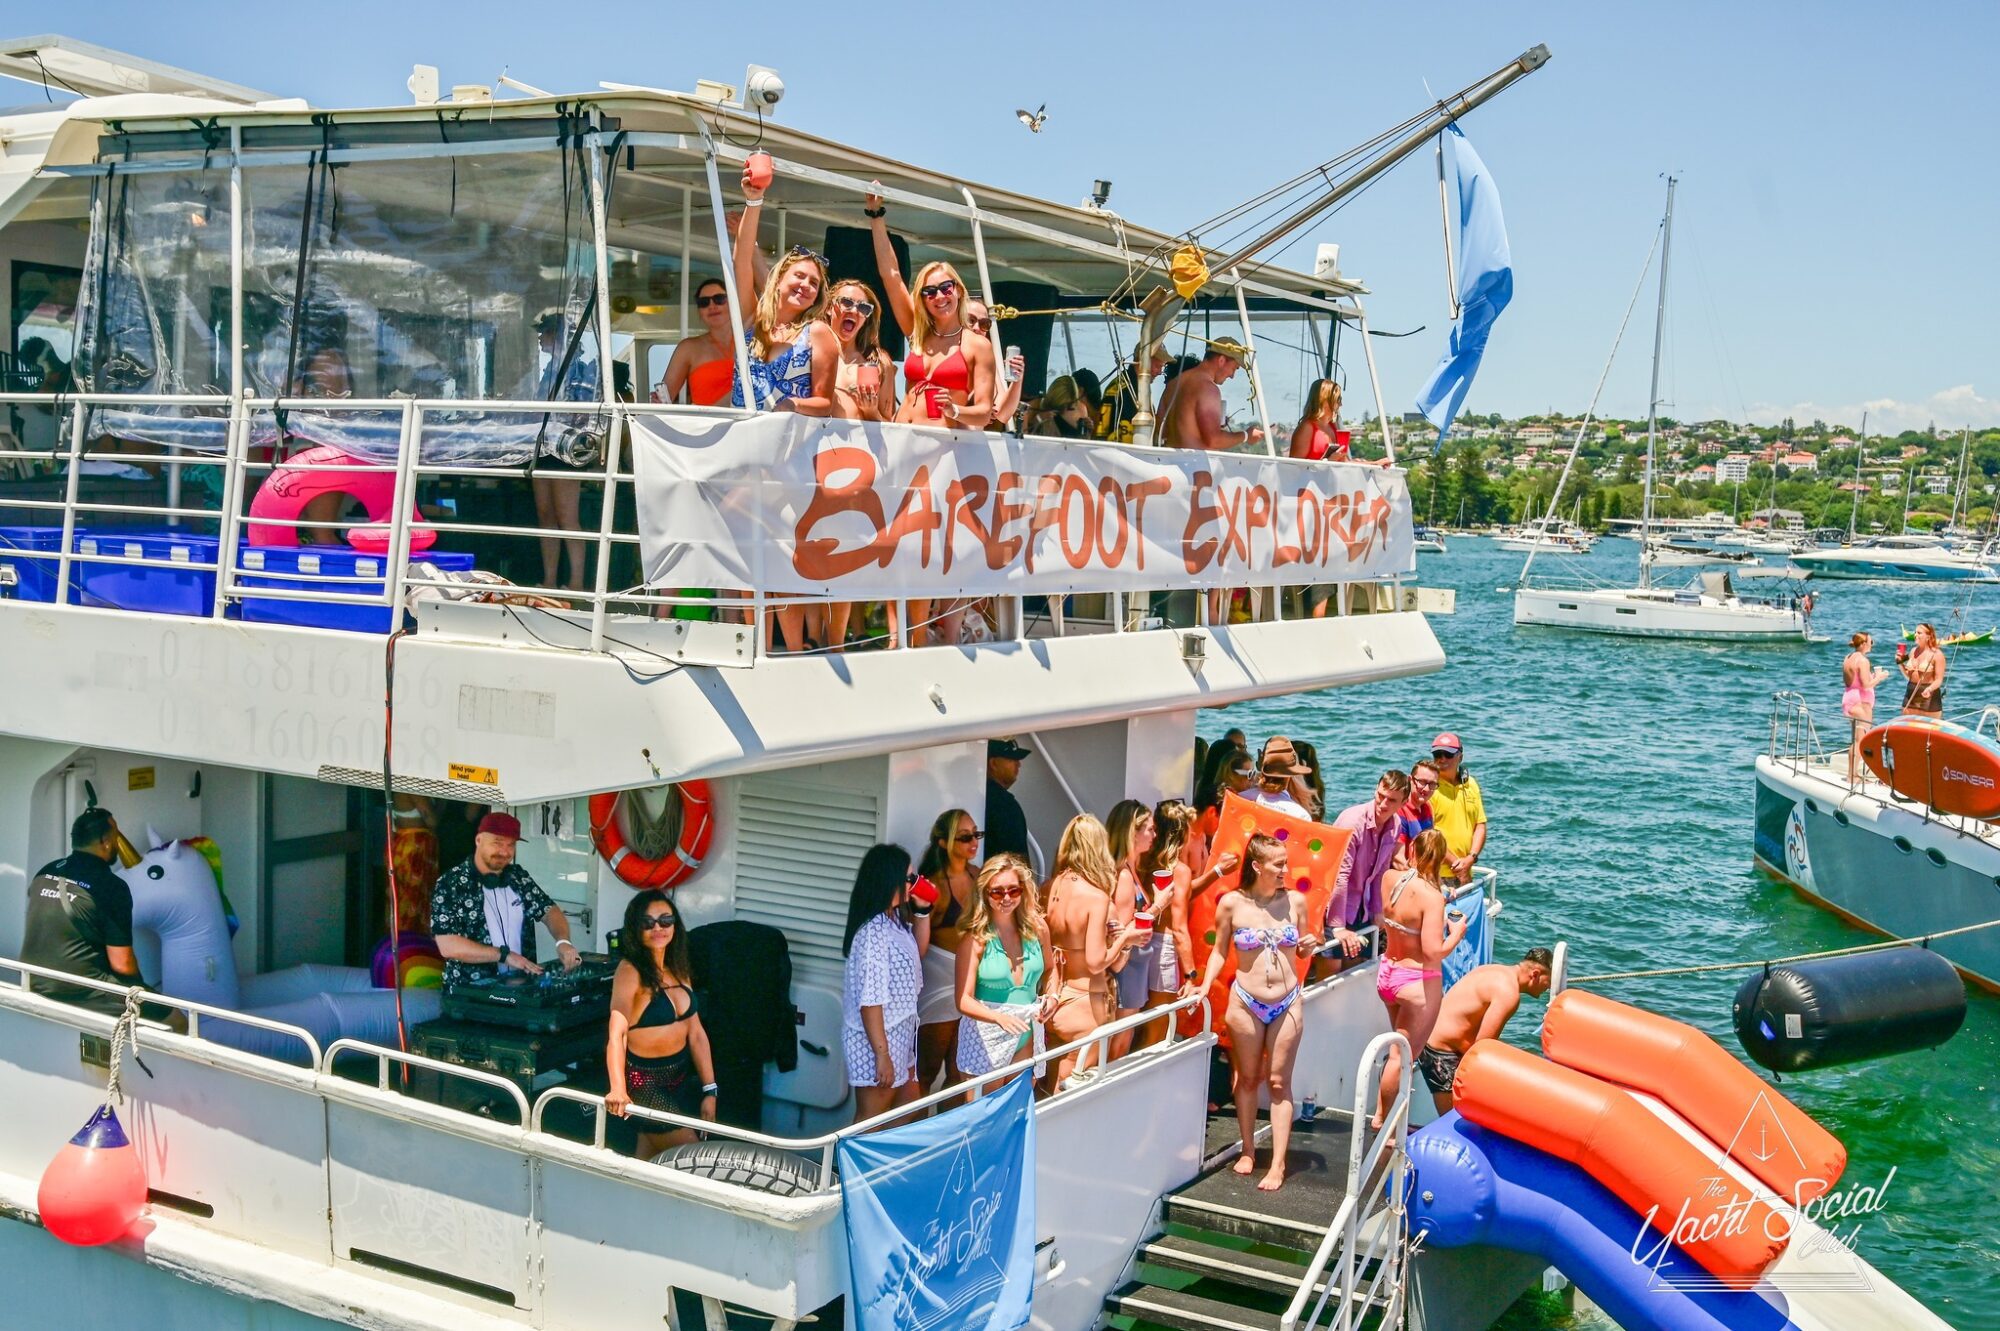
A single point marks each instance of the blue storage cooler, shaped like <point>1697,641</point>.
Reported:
<point>160,590</point>
<point>282,565</point>
<point>34,579</point>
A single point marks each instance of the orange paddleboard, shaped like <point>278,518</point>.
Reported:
<point>1946,766</point>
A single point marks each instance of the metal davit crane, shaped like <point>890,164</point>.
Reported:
<point>1345,175</point>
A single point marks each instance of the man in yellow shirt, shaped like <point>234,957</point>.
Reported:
<point>1457,810</point>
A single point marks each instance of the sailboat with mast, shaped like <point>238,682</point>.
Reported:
<point>1709,606</point>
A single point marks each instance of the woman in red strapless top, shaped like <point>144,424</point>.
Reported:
<point>1316,437</point>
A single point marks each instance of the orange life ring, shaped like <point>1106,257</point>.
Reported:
<point>697,831</point>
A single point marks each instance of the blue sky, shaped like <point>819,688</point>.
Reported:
<point>1833,232</point>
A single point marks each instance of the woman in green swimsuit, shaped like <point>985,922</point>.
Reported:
<point>1002,968</point>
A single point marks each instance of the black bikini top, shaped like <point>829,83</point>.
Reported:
<point>653,1016</point>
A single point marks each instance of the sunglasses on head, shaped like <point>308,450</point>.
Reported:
<point>662,921</point>
<point>801,252</point>
<point>718,298</point>
<point>935,289</point>
<point>860,307</point>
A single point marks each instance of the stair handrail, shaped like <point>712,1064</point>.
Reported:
<point>1344,1237</point>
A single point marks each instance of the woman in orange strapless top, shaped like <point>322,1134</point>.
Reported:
<point>947,381</point>
<point>703,366</point>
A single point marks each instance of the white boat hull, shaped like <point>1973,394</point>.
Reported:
<point>1656,615</point>
<point>1895,565</point>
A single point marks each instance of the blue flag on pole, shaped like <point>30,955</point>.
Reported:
<point>941,1218</point>
<point>1485,285</point>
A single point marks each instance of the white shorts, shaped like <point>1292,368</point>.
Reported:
<point>861,1070</point>
<point>938,1003</point>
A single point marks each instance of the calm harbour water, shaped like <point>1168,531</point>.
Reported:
<point>1618,782</point>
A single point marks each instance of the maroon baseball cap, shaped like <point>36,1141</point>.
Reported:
<point>501,824</point>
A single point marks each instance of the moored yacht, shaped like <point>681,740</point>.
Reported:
<point>1710,606</point>
<point>421,315</point>
<point>1904,557</point>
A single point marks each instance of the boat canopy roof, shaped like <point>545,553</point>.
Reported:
<point>1086,254</point>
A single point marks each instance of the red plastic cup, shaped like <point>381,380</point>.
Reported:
<point>924,892</point>
<point>868,376</point>
<point>1163,881</point>
<point>1343,438</point>
<point>932,408</point>
<point>758,164</point>
<point>1143,922</point>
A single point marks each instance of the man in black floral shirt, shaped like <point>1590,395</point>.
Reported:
<point>484,911</point>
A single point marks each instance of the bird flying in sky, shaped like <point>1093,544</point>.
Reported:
<point>1034,119</point>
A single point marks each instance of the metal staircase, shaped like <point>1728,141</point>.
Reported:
<point>1327,1250</point>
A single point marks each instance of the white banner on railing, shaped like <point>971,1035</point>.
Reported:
<point>790,504</point>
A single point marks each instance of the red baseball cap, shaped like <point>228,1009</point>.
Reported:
<point>501,824</point>
<point>1447,741</point>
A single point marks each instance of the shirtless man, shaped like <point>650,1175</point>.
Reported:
<point>1191,407</point>
<point>1477,1008</point>
<point>1191,417</point>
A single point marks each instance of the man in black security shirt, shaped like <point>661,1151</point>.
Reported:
<point>80,916</point>
<point>1006,825</point>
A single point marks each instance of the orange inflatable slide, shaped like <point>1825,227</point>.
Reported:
<point>1772,1138</point>
<point>1612,1137</point>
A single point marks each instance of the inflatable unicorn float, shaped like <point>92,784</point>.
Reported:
<point>181,929</point>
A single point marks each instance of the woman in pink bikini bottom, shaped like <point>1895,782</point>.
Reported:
<point>1417,934</point>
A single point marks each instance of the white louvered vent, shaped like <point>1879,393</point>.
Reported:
<point>798,845</point>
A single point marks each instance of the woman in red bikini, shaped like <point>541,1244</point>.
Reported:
<point>947,380</point>
<point>1416,938</point>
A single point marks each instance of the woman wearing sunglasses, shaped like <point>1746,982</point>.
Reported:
<point>950,860</point>
<point>887,932</point>
<point>703,367</point>
<point>1002,963</point>
<point>658,1056</point>
<point>792,354</point>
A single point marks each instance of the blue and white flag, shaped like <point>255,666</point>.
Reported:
<point>941,1218</point>
<point>1485,285</point>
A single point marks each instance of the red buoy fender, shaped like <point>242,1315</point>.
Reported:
<point>697,832</point>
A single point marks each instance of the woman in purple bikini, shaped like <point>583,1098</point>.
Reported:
<point>1264,1018</point>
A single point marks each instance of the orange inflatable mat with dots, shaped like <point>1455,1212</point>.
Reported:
<point>1613,1138</point>
<point>1772,1138</point>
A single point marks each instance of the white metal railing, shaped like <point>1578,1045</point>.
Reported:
<point>825,1146</point>
<point>240,474</point>
<point>1794,739</point>
<point>384,1057</point>
<point>192,1012</point>
<point>1371,1226</point>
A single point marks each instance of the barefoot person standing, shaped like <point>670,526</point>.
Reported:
<point>1859,677</point>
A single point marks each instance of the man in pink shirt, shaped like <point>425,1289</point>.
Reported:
<point>1357,887</point>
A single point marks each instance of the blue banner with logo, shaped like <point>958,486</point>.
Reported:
<point>1485,285</point>
<point>1476,948</point>
<point>941,1218</point>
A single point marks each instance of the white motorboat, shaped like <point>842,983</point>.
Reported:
<point>1429,541</point>
<point>1907,557</point>
<point>1709,607</point>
